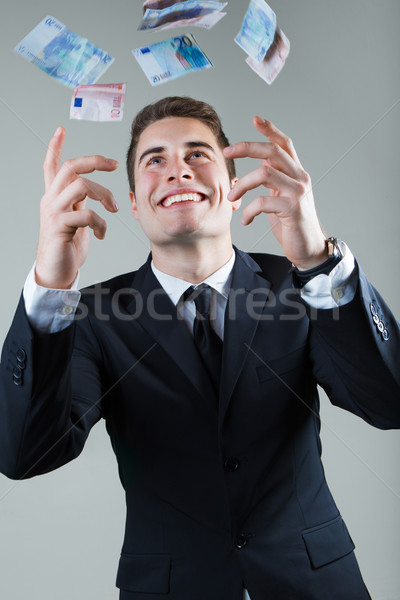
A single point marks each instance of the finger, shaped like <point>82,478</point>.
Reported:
<point>81,204</point>
<point>84,218</point>
<point>51,164</point>
<point>74,167</point>
<point>271,152</point>
<point>267,204</point>
<point>269,178</point>
<point>77,191</point>
<point>275,135</point>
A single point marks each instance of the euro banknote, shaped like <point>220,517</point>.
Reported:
<point>258,30</point>
<point>169,59</point>
<point>269,68</point>
<point>201,13</point>
<point>98,102</point>
<point>159,4</point>
<point>206,22</point>
<point>66,56</point>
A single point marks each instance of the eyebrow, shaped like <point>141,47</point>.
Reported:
<point>160,149</point>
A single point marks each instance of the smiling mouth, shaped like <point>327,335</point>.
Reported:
<point>188,197</point>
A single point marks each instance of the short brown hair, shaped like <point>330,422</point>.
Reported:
<point>175,106</point>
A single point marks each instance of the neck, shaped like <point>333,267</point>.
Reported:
<point>193,263</point>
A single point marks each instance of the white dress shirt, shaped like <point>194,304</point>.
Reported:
<point>219,282</point>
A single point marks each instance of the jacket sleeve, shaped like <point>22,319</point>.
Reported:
<point>355,350</point>
<point>43,424</point>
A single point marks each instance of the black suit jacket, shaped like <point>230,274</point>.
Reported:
<point>222,491</point>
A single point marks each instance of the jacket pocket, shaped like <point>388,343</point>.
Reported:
<point>279,366</point>
<point>327,542</point>
<point>144,573</point>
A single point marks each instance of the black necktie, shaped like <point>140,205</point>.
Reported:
<point>208,343</point>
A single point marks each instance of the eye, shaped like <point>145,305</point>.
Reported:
<point>155,160</point>
<point>197,154</point>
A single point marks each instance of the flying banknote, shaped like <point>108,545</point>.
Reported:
<point>200,13</point>
<point>258,30</point>
<point>264,42</point>
<point>273,63</point>
<point>66,56</point>
<point>101,102</point>
<point>169,59</point>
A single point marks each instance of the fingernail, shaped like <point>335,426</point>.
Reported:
<point>58,132</point>
<point>229,149</point>
<point>115,205</point>
<point>262,121</point>
<point>112,161</point>
<point>230,195</point>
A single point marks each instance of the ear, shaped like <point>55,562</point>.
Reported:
<point>236,204</point>
<point>134,208</point>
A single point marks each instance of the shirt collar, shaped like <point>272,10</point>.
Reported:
<point>175,287</point>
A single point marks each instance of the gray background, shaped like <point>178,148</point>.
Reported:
<point>338,97</point>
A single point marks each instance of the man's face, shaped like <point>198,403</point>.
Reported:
<point>181,183</point>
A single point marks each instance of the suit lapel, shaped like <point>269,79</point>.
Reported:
<point>160,319</point>
<point>241,321</point>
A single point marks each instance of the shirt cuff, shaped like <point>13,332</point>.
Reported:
<point>50,310</point>
<point>335,289</point>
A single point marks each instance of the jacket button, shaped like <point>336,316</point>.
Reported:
<point>380,326</point>
<point>372,309</point>
<point>231,464</point>
<point>21,357</point>
<point>17,376</point>
<point>376,319</point>
<point>17,373</point>
<point>385,334</point>
<point>241,541</point>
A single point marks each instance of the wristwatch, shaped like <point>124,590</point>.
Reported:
<point>332,245</point>
<point>335,255</point>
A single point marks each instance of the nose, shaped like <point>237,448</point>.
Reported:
<point>179,170</point>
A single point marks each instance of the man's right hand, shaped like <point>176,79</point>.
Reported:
<point>64,219</point>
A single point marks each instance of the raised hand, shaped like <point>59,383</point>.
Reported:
<point>290,204</point>
<point>64,219</point>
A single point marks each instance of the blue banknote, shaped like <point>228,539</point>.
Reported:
<point>258,30</point>
<point>191,12</point>
<point>65,55</point>
<point>169,59</point>
<point>274,60</point>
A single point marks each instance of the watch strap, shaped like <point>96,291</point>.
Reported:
<point>335,255</point>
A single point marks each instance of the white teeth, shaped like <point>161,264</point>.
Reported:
<point>182,198</point>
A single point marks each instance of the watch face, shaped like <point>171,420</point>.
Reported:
<point>333,247</point>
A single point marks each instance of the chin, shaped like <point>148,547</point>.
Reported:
<point>184,234</point>
<point>184,229</point>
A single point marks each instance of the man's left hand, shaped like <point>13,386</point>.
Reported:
<point>290,204</point>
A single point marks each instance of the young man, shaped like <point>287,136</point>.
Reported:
<point>217,443</point>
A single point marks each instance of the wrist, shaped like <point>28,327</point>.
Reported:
<point>332,249</point>
<point>313,262</point>
<point>53,283</point>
